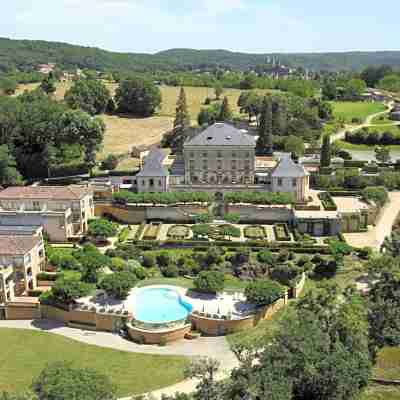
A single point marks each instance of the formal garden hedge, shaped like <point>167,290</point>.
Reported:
<point>372,137</point>
<point>327,201</point>
<point>350,179</point>
<point>179,232</point>
<point>151,232</point>
<point>281,232</point>
<point>266,198</point>
<point>126,197</point>
<point>379,195</point>
<point>255,232</point>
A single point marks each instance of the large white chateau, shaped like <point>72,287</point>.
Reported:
<point>219,159</point>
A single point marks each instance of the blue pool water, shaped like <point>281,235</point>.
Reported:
<point>160,305</point>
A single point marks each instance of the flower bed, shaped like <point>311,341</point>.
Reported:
<point>255,232</point>
<point>178,232</point>
<point>151,232</point>
<point>281,232</point>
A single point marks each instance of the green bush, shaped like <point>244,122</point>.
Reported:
<point>118,284</point>
<point>233,218</point>
<point>209,282</point>
<point>102,228</point>
<point>110,162</point>
<point>266,257</point>
<point>377,194</point>
<point>67,290</point>
<point>327,201</point>
<point>170,271</point>
<point>259,198</point>
<point>263,292</point>
<point>123,235</point>
<point>43,276</point>
<point>125,196</point>
<point>281,232</point>
<point>149,260</point>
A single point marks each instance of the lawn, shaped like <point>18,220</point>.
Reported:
<point>347,110</point>
<point>379,392</point>
<point>388,364</point>
<point>382,120</point>
<point>25,353</point>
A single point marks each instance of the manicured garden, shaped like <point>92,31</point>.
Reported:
<point>355,112</point>
<point>25,353</point>
<point>382,135</point>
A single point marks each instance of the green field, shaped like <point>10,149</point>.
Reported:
<point>24,353</point>
<point>346,110</point>
<point>379,392</point>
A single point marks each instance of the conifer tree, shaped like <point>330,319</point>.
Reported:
<point>48,84</point>
<point>265,139</point>
<point>225,112</point>
<point>279,118</point>
<point>181,122</point>
<point>326,152</point>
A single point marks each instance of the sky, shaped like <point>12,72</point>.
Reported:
<point>253,26</point>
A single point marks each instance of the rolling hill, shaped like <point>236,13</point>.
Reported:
<point>25,54</point>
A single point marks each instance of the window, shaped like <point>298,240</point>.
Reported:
<point>36,205</point>
<point>205,154</point>
<point>279,181</point>
<point>159,183</point>
<point>233,153</point>
<point>219,154</point>
<point>294,182</point>
<point>151,182</point>
<point>191,154</point>
<point>143,182</point>
<point>247,154</point>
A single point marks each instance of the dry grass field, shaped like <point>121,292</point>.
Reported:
<point>125,132</point>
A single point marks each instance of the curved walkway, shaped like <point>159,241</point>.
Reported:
<point>367,123</point>
<point>215,347</point>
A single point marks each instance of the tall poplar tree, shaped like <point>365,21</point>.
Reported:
<point>181,122</point>
<point>326,151</point>
<point>225,112</point>
<point>265,138</point>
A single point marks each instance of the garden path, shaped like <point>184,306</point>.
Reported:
<point>376,234</point>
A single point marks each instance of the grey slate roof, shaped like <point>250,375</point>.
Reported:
<point>222,134</point>
<point>153,165</point>
<point>287,168</point>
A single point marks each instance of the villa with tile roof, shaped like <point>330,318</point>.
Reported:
<point>63,211</point>
<point>222,158</point>
<point>22,257</point>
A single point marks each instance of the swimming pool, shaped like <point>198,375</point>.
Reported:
<point>160,305</point>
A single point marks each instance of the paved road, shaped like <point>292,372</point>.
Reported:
<point>215,347</point>
<point>377,234</point>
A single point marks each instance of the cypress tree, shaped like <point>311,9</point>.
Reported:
<point>265,139</point>
<point>225,112</point>
<point>181,122</point>
<point>279,117</point>
<point>326,151</point>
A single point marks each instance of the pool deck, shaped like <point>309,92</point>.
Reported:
<point>233,305</point>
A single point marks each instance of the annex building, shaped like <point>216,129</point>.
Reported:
<point>219,159</point>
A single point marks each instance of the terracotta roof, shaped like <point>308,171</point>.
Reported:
<point>72,192</point>
<point>17,245</point>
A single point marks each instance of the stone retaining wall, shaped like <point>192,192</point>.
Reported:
<point>157,337</point>
<point>252,213</point>
<point>131,214</point>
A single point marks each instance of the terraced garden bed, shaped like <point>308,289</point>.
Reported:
<point>179,232</point>
<point>255,232</point>
<point>151,232</point>
<point>282,233</point>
